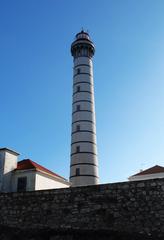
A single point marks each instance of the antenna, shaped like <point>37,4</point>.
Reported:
<point>142,166</point>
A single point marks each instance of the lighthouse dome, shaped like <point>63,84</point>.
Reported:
<point>82,35</point>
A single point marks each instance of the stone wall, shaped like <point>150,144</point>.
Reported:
<point>129,210</point>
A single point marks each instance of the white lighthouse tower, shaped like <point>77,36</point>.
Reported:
<point>84,163</point>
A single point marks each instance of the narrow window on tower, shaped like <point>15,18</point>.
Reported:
<point>78,71</point>
<point>77,171</point>
<point>78,149</point>
<point>78,108</point>
<point>78,88</point>
<point>85,52</point>
<point>78,128</point>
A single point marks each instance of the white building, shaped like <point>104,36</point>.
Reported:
<point>84,160</point>
<point>150,173</point>
<point>26,175</point>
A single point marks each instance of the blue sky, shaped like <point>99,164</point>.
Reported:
<point>36,81</point>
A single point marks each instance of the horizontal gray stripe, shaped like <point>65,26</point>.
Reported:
<point>81,65</point>
<point>83,142</point>
<point>83,121</point>
<point>83,152</point>
<point>82,111</point>
<point>83,131</point>
<point>83,164</point>
<point>82,74</point>
<point>84,176</point>
<point>82,82</point>
<point>82,92</point>
<point>83,101</point>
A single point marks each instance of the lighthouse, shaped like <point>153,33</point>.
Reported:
<point>84,161</point>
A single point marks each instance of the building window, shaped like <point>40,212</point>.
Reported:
<point>22,184</point>
<point>77,128</point>
<point>78,108</point>
<point>78,70</point>
<point>77,171</point>
<point>78,88</point>
<point>78,149</point>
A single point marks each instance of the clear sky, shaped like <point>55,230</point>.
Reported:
<point>36,81</point>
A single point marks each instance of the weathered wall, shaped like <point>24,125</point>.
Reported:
<point>8,162</point>
<point>30,175</point>
<point>119,209</point>
<point>146,176</point>
<point>44,181</point>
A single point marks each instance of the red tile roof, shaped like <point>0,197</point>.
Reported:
<point>152,170</point>
<point>29,164</point>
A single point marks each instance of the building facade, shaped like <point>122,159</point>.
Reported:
<point>150,173</point>
<point>84,162</point>
<point>26,175</point>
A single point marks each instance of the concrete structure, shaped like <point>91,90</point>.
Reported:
<point>84,163</point>
<point>26,175</point>
<point>127,210</point>
<point>150,173</point>
<point>8,162</point>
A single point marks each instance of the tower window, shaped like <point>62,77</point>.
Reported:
<point>77,171</point>
<point>78,70</point>
<point>78,149</point>
<point>78,88</point>
<point>78,128</point>
<point>22,184</point>
<point>78,108</point>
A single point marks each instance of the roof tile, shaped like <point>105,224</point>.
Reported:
<point>152,170</point>
<point>29,164</point>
